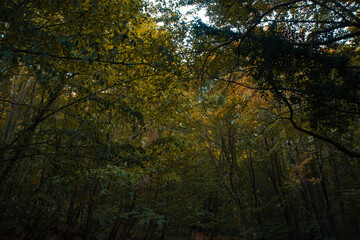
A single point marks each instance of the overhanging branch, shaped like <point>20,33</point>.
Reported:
<point>337,145</point>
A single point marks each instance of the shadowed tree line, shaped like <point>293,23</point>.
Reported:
<point>120,120</point>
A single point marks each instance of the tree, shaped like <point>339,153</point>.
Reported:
<point>81,82</point>
<point>303,52</point>
<point>118,123</point>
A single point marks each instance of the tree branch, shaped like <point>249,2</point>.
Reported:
<point>75,58</point>
<point>337,145</point>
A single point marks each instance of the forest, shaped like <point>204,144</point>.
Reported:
<point>139,119</point>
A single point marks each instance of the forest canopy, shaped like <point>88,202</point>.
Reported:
<point>124,120</point>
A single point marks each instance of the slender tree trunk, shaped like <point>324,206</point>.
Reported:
<point>348,233</point>
<point>253,184</point>
<point>328,208</point>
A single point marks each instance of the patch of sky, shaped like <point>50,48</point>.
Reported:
<point>190,14</point>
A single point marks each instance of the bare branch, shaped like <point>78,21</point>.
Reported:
<point>337,145</point>
<point>75,58</point>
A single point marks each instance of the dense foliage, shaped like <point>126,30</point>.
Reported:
<point>121,120</point>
